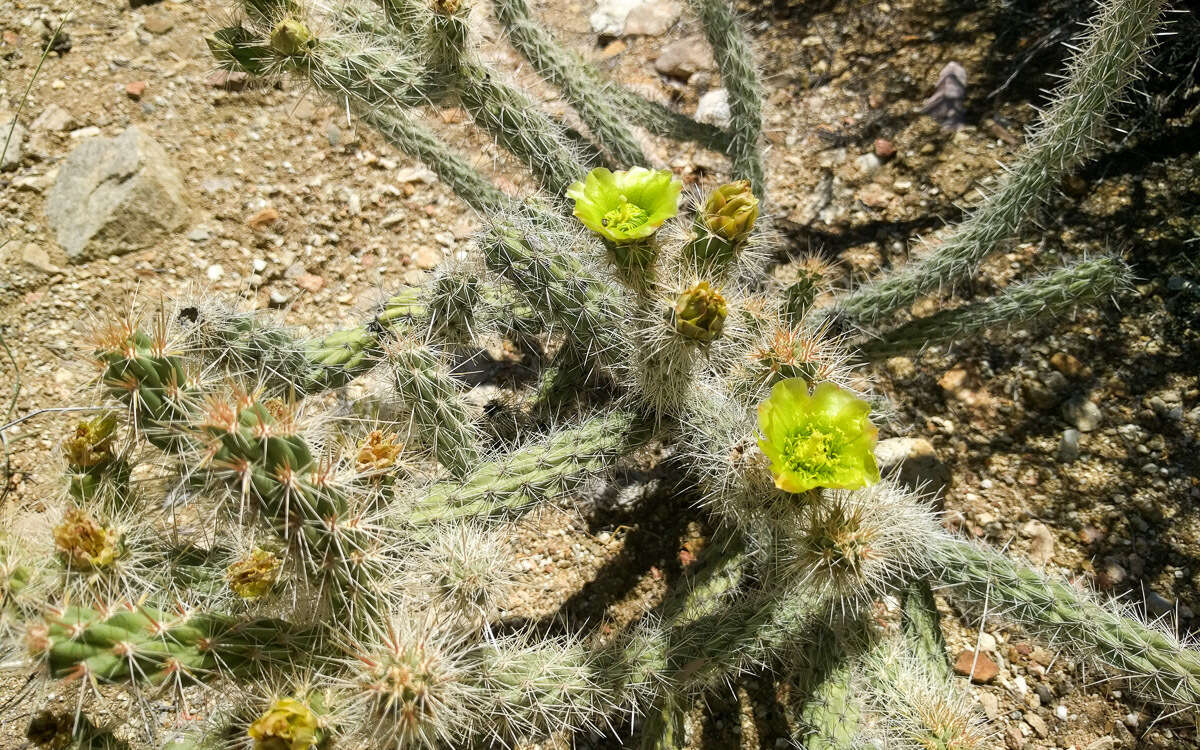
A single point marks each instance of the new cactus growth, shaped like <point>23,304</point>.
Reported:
<point>355,543</point>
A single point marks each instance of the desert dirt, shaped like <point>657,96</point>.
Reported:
<point>294,208</point>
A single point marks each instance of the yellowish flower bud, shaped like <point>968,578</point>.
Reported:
<point>84,544</point>
<point>378,452</point>
<point>254,575</point>
<point>291,37</point>
<point>91,444</point>
<point>288,724</point>
<point>700,312</point>
<point>731,210</point>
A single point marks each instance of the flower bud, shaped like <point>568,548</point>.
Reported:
<point>731,210</point>
<point>85,544</point>
<point>378,452</point>
<point>254,575</point>
<point>92,442</point>
<point>288,724</point>
<point>700,312</point>
<point>291,37</point>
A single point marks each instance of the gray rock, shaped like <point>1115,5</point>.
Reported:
<point>713,108</point>
<point>54,119</point>
<point>914,460</point>
<point>683,58</point>
<point>1083,413</point>
<point>610,15</point>
<point>12,133</point>
<point>115,195</point>
<point>1068,446</point>
<point>652,18</point>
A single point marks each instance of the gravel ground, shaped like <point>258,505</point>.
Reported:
<point>1073,443</point>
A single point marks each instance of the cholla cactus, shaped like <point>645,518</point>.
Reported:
<point>344,579</point>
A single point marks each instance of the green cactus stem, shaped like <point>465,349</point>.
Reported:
<point>739,74</point>
<point>1150,662</point>
<point>145,644</point>
<point>1054,293</point>
<point>1105,64</point>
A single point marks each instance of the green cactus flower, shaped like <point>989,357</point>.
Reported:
<point>625,207</point>
<point>288,724</point>
<point>731,210</point>
<point>700,312</point>
<point>820,440</point>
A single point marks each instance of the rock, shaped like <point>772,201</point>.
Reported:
<point>36,256</point>
<point>54,119</point>
<point>135,89</point>
<point>1104,743</point>
<point>1157,606</point>
<point>427,257</point>
<point>416,174</point>
<point>984,669</point>
<point>1068,365</point>
<point>901,368</point>
<point>158,21</point>
<point>653,18</point>
<point>884,149</point>
<point>1110,575</point>
<point>713,108</point>
<point>1068,446</point>
<point>610,16</point>
<point>1042,546</point>
<point>199,234</point>
<point>310,282</point>
<point>1083,413</point>
<point>683,58</point>
<point>115,195</point>
<point>263,219</point>
<point>915,462</point>
<point>215,272</point>
<point>874,195</point>
<point>13,133</point>
<point>228,80</point>
<point>1013,738</point>
<point>1038,724</point>
<point>990,703</point>
<point>867,164</point>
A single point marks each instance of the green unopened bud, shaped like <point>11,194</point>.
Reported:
<point>288,724</point>
<point>254,575</point>
<point>291,37</point>
<point>84,544</point>
<point>731,210</point>
<point>700,312</point>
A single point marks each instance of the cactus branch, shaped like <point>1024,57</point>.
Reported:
<point>1099,73</point>
<point>739,74</point>
<point>1153,663</point>
<point>1053,293</point>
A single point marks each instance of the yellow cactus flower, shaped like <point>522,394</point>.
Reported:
<point>820,440</point>
<point>288,724</point>
<point>627,206</point>
<point>91,443</point>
